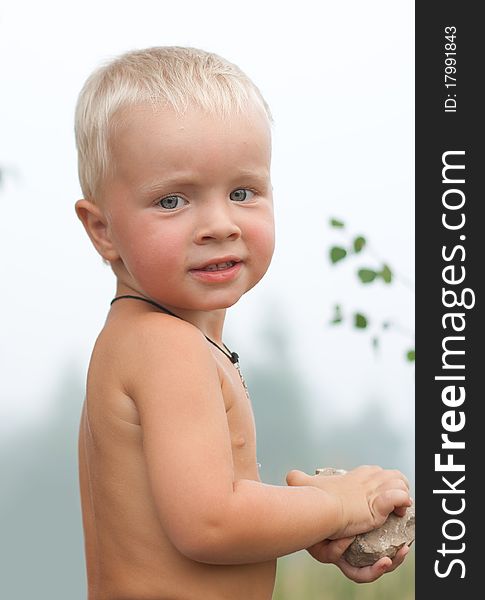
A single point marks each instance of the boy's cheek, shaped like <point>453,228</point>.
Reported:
<point>267,240</point>
<point>260,231</point>
<point>263,249</point>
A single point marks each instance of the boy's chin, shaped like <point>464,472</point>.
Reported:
<point>221,303</point>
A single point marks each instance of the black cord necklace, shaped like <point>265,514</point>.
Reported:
<point>232,356</point>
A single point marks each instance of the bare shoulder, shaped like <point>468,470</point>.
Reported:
<point>137,332</point>
<point>143,346</point>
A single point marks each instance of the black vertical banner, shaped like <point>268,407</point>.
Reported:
<point>450,164</point>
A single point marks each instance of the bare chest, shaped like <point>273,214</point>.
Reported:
<point>240,420</point>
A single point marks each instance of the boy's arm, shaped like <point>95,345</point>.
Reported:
<point>172,377</point>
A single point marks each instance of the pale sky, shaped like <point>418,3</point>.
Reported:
<point>339,79</point>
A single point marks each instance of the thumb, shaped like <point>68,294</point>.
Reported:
<point>336,548</point>
<point>296,477</point>
<point>388,501</point>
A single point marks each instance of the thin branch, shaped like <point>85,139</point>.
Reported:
<point>398,276</point>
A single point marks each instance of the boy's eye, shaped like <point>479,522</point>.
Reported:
<point>241,194</point>
<point>171,202</point>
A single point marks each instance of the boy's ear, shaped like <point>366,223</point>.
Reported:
<point>96,226</point>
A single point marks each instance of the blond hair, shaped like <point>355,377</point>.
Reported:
<point>169,76</point>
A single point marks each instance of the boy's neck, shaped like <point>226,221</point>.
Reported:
<point>211,323</point>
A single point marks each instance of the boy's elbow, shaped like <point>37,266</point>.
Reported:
<point>203,544</point>
<point>209,534</point>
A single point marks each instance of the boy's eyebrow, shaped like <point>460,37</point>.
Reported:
<point>260,175</point>
<point>190,179</point>
<point>166,182</point>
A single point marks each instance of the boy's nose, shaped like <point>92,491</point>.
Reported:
<point>217,225</point>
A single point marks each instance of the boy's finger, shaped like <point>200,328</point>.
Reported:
<point>390,500</point>
<point>398,475</point>
<point>400,511</point>
<point>336,548</point>
<point>297,477</point>
<point>399,558</point>
<point>373,572</point>
<point>365,574</point>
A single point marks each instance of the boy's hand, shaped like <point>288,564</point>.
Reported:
<point>366,496</point>
<point>331,551</point>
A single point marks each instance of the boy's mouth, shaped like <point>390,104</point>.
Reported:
<point>219,266</point>
<point>219,270</point>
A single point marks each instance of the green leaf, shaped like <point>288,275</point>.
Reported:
<point>386,274</point>
<point>337,253</point>
<point>411,355</point>
<point>360,321</point>
<point>337,317</point>
<point>337,223</point>
<point>359,243</point>
<point>367,275</point>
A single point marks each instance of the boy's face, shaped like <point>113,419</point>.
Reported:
<point>189,205</point>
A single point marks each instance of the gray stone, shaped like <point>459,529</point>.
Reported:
<point>386,540</point>
<point>330,471</point>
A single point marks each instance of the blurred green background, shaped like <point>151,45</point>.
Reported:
<point>301,579</point>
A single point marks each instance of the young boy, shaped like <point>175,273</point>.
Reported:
<point>174,161</point>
